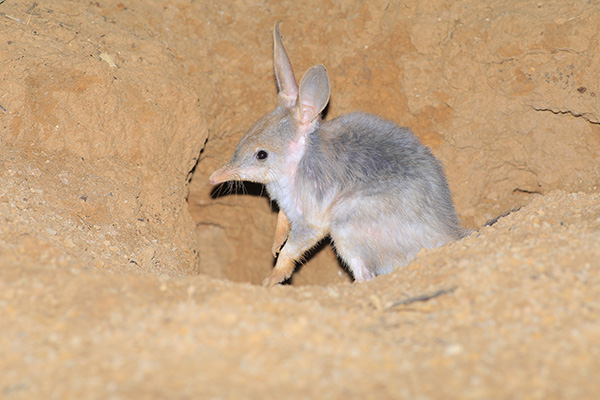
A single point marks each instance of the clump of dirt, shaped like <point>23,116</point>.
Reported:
<point>125,274</point>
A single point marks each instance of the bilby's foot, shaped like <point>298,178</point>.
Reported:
<point>275,277</point>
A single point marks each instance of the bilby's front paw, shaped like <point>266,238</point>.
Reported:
<point>281,233</point>
<point>275,277</point>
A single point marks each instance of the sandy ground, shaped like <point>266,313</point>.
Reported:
<point>124,274</point>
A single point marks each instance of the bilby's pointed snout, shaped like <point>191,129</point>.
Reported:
<point>221,175</point>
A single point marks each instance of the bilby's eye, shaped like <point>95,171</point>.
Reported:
<point>261,155</point>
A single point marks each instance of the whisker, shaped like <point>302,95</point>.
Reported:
<point>230,187</point>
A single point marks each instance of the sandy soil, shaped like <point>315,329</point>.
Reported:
<point>124,274</point>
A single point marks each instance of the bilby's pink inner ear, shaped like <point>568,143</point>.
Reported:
<point>314,94</point>
<point>288,88</point>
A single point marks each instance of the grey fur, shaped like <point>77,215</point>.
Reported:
<point>378,174</point>
<point>370,184</point>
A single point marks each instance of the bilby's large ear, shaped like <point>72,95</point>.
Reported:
<point>288,88</point>
<point>314,94</point>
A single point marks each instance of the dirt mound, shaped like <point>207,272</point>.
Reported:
<point>125,274</point>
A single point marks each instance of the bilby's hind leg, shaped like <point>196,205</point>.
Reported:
<point>360,271</point>
<point>356,256</point>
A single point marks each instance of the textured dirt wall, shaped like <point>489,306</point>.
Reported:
<point>99,111</point>
<point>113,114</point>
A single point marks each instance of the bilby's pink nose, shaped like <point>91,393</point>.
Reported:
<point>213,179</point>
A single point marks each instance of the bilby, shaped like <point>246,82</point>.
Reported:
<point>368,183</point>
